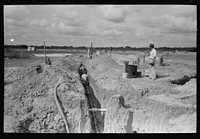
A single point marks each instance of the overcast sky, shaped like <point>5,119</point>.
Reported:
<point>104,25</point>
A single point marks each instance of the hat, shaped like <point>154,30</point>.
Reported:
<point>151,45</point>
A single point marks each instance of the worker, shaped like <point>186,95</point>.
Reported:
<point>81,70</point>
<point>84,77</point>
<point>47,61</point>
<point>97,54</point>
<point>88,52</point>
<point>144,57</point>
<point>138,62</point>
<point>161,60</point>
<point>91,52</point>
<point>152,58</point>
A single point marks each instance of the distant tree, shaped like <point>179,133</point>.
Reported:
<point>82,47</point>
<point>24,46</point>
<point>134,48</point>
<point>127,48</point>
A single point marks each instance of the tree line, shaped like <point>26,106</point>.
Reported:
<point>125,48</point>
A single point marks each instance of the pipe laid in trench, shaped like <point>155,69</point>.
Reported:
<point>61,111</point>
<point>86,87</point>
<point>91,108</point>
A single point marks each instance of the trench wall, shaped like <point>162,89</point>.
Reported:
<point>149,115</point>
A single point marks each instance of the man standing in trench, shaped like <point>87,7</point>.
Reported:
<point>83,75</point>
<point>152,58</point>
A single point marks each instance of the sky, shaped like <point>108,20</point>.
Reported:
<point>102,25</point>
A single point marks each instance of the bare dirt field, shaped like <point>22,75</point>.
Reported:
<point>164,105</point>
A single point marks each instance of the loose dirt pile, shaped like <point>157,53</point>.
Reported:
<point>29,104</point>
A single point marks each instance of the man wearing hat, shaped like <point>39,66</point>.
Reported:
<point>152,58</point>
<point>81,70</point>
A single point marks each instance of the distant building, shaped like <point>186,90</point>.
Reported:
<point>31,49</point>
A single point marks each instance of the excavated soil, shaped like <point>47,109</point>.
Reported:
<point>29,103</point>
<point>167,104</point>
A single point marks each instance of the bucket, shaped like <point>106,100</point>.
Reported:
<point>131,70</point>
<point>125,75</point>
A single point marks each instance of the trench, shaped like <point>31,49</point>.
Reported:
<point>151,116</point>
<point>96,117</point>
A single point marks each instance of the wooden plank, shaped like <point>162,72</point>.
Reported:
<point>96,109</point>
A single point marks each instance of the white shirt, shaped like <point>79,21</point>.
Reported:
<point>152,53</point>
<point>84,77</point>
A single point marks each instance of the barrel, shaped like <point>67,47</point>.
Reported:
<point>131,70</point>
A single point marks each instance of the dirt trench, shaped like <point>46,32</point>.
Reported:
<point>96,117</point>
<point>115,107</point>
<point>161,107</point>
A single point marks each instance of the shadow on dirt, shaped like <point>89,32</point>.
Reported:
<point>23,126</point>
<point>158,76</point>
<point>7,83</point>
<point>125,105</point>
<point>182,81</point>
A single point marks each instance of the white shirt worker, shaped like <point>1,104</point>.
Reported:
<point>152,73</point>
<point>152,53</point>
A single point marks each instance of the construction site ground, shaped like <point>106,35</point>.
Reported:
<point>167,104</point>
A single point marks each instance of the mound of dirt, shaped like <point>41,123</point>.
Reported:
<point>108,76</point>
<point>29,100</point>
